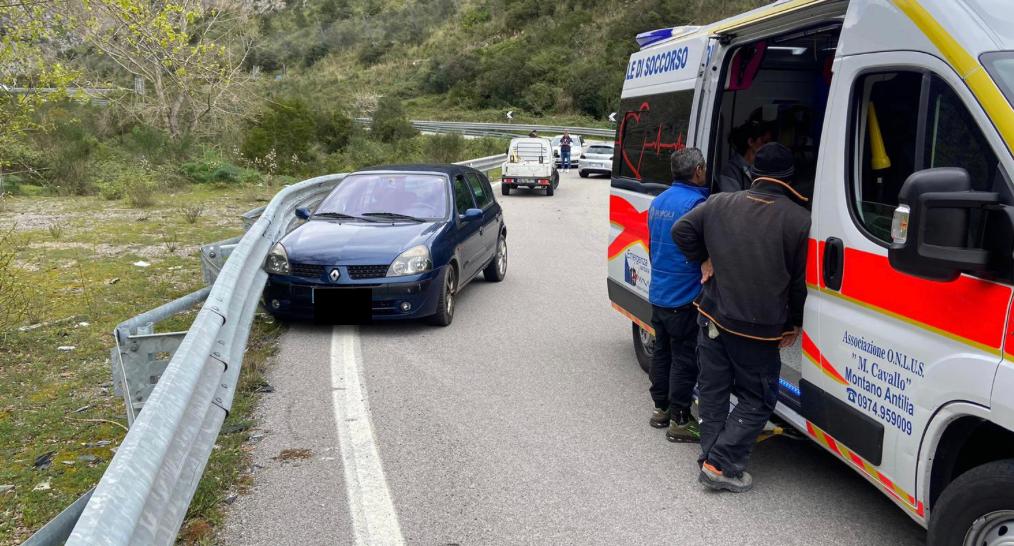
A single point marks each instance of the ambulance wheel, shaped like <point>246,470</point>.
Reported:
<point>977,508</point>
<point>549,190</point>
<point>582,174</point>
<point>644,346</point>
<point>505,189</point>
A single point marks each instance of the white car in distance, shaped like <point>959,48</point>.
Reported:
<point>596,159</point>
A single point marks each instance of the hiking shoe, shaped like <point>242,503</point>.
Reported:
<point>660,418</point>
<point>715,479</point>
<point>684,431</point>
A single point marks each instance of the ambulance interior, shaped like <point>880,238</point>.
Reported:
<point>782,82</point>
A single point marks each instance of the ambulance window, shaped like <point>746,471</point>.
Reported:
<point>651,128</point>
<point>953,139</point>
<point>905,122</point>
<point>886,124</point>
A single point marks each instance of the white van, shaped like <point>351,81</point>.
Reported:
<point>899,114</point>
<point>529,165</point>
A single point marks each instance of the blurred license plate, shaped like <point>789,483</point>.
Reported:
<point>342,305</point>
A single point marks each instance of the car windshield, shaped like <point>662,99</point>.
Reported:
<point>600,150</point>
<point>398,196</point>
<point>1000,65</point>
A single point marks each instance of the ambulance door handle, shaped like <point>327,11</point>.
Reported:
<point>834,262</point>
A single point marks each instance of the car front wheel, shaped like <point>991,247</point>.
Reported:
<point>445,303</point>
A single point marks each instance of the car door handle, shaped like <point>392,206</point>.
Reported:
<point>834,262</point>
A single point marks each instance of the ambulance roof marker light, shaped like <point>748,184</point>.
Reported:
<point>652,37</point>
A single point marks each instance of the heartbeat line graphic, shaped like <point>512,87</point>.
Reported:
<point>657,145</point>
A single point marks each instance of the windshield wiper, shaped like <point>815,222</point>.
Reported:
<point>342,216</point>
<point>395,216</point>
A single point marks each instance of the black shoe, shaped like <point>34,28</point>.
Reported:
<point>660,418</point>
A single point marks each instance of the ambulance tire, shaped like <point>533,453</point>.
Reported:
<point>505,189</point>
<point>984,490</point>
<point>642,351</point>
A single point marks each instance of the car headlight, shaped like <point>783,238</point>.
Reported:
<point>411,262</point>
<point>277,261</point>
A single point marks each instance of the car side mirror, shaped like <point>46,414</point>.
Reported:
<point>932,223</point>
<point>303,213</point>
<point>471,215</point>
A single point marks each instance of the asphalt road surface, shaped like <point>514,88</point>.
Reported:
<point>524,422</point>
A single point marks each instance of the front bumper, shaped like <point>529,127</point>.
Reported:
<point>292,298</point>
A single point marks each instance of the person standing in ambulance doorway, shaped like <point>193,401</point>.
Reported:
<point>675,283</point>
<point>753,247</point>
<point>745,140</point>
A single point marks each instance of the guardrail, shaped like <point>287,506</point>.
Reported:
<point>187,381</point>
<point>503,130</point>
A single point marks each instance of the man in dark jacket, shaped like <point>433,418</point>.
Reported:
<point>675,282</point>
<point>755,242</point>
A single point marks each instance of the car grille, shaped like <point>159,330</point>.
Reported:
<point>309,271</point>
<point>367,271</point>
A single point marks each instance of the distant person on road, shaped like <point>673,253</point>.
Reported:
<point>534,133</point>
<point>675,283</point>
<point>565,142</point>
<point>745,140</point>
<point>752,245</point>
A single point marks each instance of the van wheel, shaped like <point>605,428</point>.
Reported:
<point>977,508</point>
<point>582,174</point>
<point>505,189</point>
<point>644,346</point>
<point>549,190</point>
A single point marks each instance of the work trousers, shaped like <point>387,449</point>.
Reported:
<point>673,369</point>
<point>732,364</point>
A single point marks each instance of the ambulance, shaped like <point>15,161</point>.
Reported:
<point>899,114</point>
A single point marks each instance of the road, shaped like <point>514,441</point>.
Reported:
<point>525,421</point>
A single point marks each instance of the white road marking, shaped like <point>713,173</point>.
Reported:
<point>373,516</point>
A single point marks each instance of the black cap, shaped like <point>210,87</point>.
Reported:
<point>773,161</point>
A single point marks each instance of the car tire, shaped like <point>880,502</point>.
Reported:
<point>644,346</point>
<point>496,270</point>
<point>582,174</point>
<point>446,301</point>
<point>976,508</point>
<point>505,189</point>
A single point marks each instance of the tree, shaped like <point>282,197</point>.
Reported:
<point>189,54</point>
<point>389,121</point>
<point>29,75</point>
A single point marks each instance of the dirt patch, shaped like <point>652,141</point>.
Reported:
<point>106,250</point>
<point>293,455</point>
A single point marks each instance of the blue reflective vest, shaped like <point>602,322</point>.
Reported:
<point>674,280</point>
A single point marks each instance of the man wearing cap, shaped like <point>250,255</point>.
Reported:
<point>752,245</point>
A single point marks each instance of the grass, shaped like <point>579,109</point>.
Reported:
<point>60,400</point>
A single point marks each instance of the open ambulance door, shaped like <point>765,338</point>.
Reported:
<point>654,119</point>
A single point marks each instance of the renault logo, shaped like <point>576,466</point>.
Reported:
<point>335,275</point>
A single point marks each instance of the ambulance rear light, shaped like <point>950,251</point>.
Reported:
<point>899,225</point>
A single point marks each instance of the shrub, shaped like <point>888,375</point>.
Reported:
<point>140,191</point>
<point>334,130</point>
<point>286,128</point>
<point>443,148</point>
<point>16,294</point>
<point>211,167</point>
<point>389,121</point>
<point>192,213</point>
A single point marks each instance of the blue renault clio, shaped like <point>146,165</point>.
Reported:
<point>395,242</point>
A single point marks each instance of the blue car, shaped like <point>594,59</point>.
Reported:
<point>394,242</point>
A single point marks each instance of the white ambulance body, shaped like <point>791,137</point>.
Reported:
<point>899,113</point>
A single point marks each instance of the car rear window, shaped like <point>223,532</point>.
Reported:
<point>418,195</point>
<point>600,150</point>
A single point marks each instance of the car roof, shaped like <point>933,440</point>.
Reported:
<point>442,168</point>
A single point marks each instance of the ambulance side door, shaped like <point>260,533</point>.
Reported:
<point>888,348</point>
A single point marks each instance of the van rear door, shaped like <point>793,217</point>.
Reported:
<point>655,115</point>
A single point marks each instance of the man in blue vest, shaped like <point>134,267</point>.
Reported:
<point>675,283</point>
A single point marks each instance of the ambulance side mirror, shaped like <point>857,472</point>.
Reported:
<point>932,224</point>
